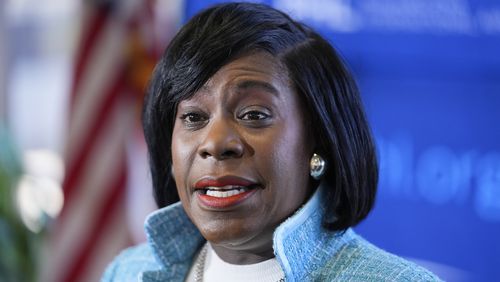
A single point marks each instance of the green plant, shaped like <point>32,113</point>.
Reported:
<point>18,245</point>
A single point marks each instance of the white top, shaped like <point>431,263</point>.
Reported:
<point>217,270</point>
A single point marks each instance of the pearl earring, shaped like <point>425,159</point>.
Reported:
<point>318,165</point>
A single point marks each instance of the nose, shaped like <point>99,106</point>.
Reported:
<point>222,141</point>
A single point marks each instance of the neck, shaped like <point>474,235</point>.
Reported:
<point>248,255</point>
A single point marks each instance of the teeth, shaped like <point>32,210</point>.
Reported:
<point>225,193</point>
<point>227,187</point>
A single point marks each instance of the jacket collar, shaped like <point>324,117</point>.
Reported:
<point>174,240</point>
<point>300,243</point>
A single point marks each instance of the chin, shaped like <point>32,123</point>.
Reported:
<point>229,233</point>
<point>223,230</point>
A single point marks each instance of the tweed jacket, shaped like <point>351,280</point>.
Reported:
<point>305,250</point>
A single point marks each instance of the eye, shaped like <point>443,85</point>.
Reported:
<point>193,119</point>
<point>254,115</point>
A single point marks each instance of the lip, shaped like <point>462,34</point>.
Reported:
<point>210,181</point>
<point>219,203</point>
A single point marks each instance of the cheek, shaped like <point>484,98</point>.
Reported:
<point>291,163</point>
<point>181,154</point>
<point>292,147</point>
<point>285,159</point>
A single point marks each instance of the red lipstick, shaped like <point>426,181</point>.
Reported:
<point>222,181</point>
<point>224,192</point>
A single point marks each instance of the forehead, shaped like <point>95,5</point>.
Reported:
<point>256,70</point>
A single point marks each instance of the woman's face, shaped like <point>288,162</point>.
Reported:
<point>240,153</point>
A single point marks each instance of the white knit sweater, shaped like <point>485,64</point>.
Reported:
<point>217,270</point>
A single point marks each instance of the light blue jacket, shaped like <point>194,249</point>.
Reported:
<point>305,251</point>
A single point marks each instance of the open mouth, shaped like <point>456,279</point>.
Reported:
<point>226,191</point>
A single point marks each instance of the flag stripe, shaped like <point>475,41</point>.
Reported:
<point>75,168</point>
<point>97,177</point>
<point>92,228</point>
<point>101,160</point>
<point>98,18</point>
<point>103,66</point>
<point>110,203</point>
<point>114,236</point>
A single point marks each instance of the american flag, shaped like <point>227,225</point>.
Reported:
<point>114,60</point>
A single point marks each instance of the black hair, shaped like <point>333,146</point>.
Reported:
<point>221,34</point>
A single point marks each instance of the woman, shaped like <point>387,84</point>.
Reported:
<point>254,124</point>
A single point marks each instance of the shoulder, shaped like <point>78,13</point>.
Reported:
<point>359,260</point>
<point>130,263</point>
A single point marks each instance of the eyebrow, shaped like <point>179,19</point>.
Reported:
<point>247,84</point>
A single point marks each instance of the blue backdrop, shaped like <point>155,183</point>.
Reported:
<point>429,73</point>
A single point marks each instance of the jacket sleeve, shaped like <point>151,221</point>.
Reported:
<point>130,264</point>
<point>109,273</point>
